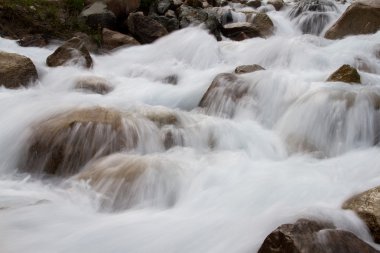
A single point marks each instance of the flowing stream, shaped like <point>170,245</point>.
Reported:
<point>295,147</point>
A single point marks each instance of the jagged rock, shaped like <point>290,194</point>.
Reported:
<point>360,18</point>
<point>33,40</point>
<point>346,74</point>
<point>248,69</point>
<point>278,4</point>
<point>223,94</point>
<point>112,40</point>
<point>93,84</point>
<point>97,15</point>
<point>254,3</point>
<point>16,70</point>
<point>72,51</point>
<point>128,180</point>
<point>64,143</point>
<point>240,31</point>
<point>367,206</point>
<point>144,28</point>
<point>312,16</point>
<point>307,236</point>
<point>264,24</point>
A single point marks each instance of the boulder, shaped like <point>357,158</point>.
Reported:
<point>16,70</point>
<point>263,24</point>
<point>162,6</point>
<point>90,43</point>
<point>72,51</point>
<point>367,206</point>
<point>307,236</point>
<point>170,23</point>
<point>63,143</point>
<point>360,18</point>
<point>277,4</point>
<point>225,91</point>
<point>121,8</point>
<point>97,15</point>
<point>254,4</point>
<point>194,3</point>
<point>346,74</point>
<point>93,84</point>
<point>240,31</point>
<point>144,28</point>
<point>33,40</point>
<point>112,40</point>
<point>243,69</point>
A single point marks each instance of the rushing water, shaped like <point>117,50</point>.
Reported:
<point>296,146</point>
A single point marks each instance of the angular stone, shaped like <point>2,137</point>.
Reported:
<point>346,74</point>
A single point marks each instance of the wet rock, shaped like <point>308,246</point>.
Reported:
<point>16,70</point>
<point>144,28</point>
<point>112,40</point>
<point>264,24</point>
<point>254,3</point>
<point>161,117</point>
<point>366,16</point>
<point>130,180</point>
<point>307,236</point>
<point>97,15</point>
<point>346,74</point>
<point>171,79</point>
<point>64,143</point>
<point>93,84</point>
<point>277,4</point>
<point>89,42</point>
<point>72,51</point>
<point>223,15</point>
<point>240,31</point>
<point>312,16</point>
<point>170,23</point>
<point>225,91</point>
<point>367,206</point>
<point>248,69</point>
<point>35,40</point>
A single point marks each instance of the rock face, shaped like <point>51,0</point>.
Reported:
<point>112,40</point>
<point>346,74</point>
<point>93,84</point>
<point>240,31</point>
<point>16,70</point>
<point>306,236</point>
<point>144,28</point>
<point>62,144</point>
<point>367,206</point>
<point>72,51</point>
<point>359,18</point>
<point>248,69</point>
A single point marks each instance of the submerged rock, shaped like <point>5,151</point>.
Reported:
<point>346,74</point>
<point>16,70</point>
<point>307,236</point>
<point>362,17</point>
<point>64,143</point>
<point>72,51</point>
<point>243,69</point>
<point>367,206</point>
<point>93,84</point>
<point>112,40</point>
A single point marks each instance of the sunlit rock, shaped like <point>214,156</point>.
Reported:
<point>308,236</point>
<point>93,84</point>
<point>16,70</point>
<point>367,206</point>
<point>72,51</point>
<point>346,74</point>
<point>243,69</point>
<point>131,181</point>
<point>112,40</point>
<point>362,17</point>
<point>62,144</point>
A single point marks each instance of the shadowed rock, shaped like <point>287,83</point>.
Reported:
<point>112,40</point>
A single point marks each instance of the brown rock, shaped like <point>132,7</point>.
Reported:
<point>359,18</point>
<point>248,69</point>
<point>254,3</point>
<point>144,28</point>
<point>346,74</point>
<point>64,143</point>
<point>112,39</point>
<point>36,40</point>
<point>307,236</point>
<point>16,70</point>
<point>122,8</point>
<point>278,4</point>
<point>72,51</point>
<point>367,206</point>
<point>264,24</point>
<point>93,84</point>
<point>240,31</point>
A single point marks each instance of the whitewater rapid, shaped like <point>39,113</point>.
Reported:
<point>224,198</point>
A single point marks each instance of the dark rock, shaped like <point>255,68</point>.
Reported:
<point>144,28</point>
<point>93,84</point>
<point>62,144</point>
<point>264,24</point>
<point>162,6</point>
<point>121,8</point>
<point>240,31</point>
<point>16,70</point>
<point>307,236</point>
<point>367,206</point>
<point>72,51</point>
<point>172,79</point>
<point>112,40</point>
<point>89,42</point>
<point>97,15</point>
<point>360,18</point>
<point>36,40</point>
<point>194,3</point>
<point>278,4</point>
<point>346,74</point>
<point>171,24</point>
<point>254,3</point>
<point>248,69</point>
